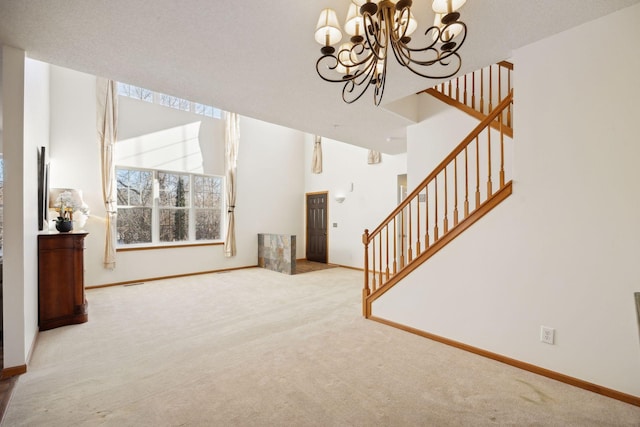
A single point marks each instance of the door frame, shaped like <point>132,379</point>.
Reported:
<point>306,224</point>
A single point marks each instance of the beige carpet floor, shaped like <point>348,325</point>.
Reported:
<point>258,348</point>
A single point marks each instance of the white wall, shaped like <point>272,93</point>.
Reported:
<point>561,251</point>
<point>270,181</point>
<point>374,194</point>
<point>25,127</point>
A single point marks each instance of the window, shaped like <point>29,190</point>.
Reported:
<point>175,102</point>
<point>136,92</point>
<point>187,207</point>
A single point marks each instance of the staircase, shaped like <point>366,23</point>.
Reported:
<point>466,185</point>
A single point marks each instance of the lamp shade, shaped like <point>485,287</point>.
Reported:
<point>447,6</point>
<point>354,23</point>
<point>328,30</point>
<point>361,2</point>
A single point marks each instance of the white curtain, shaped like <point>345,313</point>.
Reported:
<point>107,123</point>
<point>231,143</point>
<point>374,157</point>
<point>316,161</point>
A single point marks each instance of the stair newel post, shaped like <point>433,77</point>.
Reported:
<point>365,291</point>
<point>466,182</point>
<point>477,173</point>
<point>455,191</point>
<point>489,185</point>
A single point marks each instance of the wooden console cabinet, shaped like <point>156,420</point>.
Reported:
<point>61,299</point>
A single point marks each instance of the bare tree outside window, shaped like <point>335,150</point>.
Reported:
<point>208,203</point>
<point>189,207</point>
<point>174,205</point>
<point>135,205</point>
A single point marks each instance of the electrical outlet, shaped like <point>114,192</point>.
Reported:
<point>547,335</point>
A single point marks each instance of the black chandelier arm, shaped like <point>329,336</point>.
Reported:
<point>371,32</point>
<point>454,58</point>
<point>358,84</point>
<point>396,35</point>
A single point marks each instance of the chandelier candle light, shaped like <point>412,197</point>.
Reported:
<point>376,26</point>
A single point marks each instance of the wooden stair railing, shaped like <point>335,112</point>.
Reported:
<point>476,93</point>
<point>466,185</point>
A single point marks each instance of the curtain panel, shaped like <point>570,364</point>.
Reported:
<point>374,157</point>
<point>316,161</point>
<point>231,144</point>
<point>107,124</point>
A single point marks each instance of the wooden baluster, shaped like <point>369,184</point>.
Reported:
<point>511,104</point>
<point>373,264</point>
<point>490,90</point>
<point>466,183</point>
<point>380,258</point>
<point>477,174</point>
<point>435,228</point>
<point>426,215</point>
<point>499,83</point>
<point>410,239</point>
<point>455,189</point>
<point>465,89</point>
<point>450,90</point>
<point>489,187</point>
<point>386,228</point>
<point>446,203</point>
<point>500,88</point>
<point>418,249</point>
<point>482,90</point>
<point>395,249</point>
<point>402,236</point>
<point>365,291</point>
<point>473,90</point>
<point>458,89</point>
<point>501,152</point>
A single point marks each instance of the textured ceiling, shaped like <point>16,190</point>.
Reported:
<point>258,57</point>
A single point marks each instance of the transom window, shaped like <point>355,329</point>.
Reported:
<point>161,206</point>
<point>136,92</point>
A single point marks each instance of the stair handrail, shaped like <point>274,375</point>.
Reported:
<point>456,151</point>
<point>369,237</point>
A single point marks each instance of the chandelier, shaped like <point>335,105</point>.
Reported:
<point>375,28</point>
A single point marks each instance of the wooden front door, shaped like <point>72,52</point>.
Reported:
<point>317,227</point>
